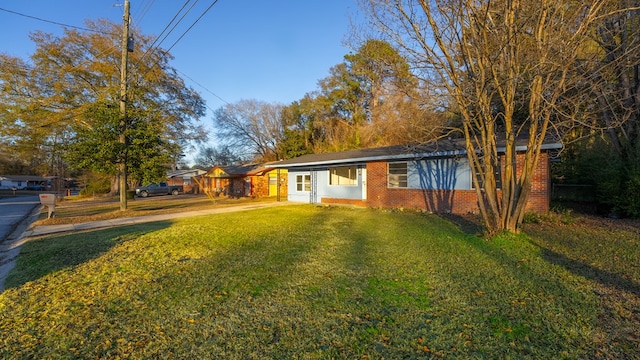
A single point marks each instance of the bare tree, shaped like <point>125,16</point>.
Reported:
<point>251,128</point>
<point>496,59</point>
<point>211,156</point>
<point>617,76</point>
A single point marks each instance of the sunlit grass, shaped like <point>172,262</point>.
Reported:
<point>73,211</point>
<point>294,282</point>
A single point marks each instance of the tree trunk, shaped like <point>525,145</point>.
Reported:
<point>115,186</point>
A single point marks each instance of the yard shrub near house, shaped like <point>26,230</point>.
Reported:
<point>297,282</point>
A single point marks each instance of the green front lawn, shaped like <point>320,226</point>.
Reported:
<point>75,210</point>
<point>306,282</point>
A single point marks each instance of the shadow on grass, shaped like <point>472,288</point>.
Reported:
<point>43,256</point>
<point>603,277</point>
<point>468,224</point>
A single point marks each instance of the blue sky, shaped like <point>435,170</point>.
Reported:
<point>274,51</point>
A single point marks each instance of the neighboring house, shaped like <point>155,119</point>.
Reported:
<point>433,177</point>
<point>185,178</point>
<point>254,180</point>
<point>24,182</point>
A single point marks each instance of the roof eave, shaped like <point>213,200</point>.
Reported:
<point>373,158</point>
<point>421,155</point>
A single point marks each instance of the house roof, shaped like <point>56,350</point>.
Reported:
<point>183,173</point>
<point>25,177</point>
<point>239,170</point>
<point>441,148</point>
<point>243,170</point>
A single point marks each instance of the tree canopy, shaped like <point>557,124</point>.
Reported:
<point>62,103</point>
<point>371,99</point>
<point>509,69</point>
<point>604,151</point>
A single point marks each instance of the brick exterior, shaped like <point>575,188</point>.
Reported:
<point>353,202</point>
<point>260,184</point>
<point>247,185</point>
<point>445,201</point>
<point>189,188</point>
<point>540,195</point>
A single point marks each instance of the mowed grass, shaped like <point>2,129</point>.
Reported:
<point>72,210</point>
<point>301,282</point>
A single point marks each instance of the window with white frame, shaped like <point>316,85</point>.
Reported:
<point>303,182</point>
<point>397,175</point>
<point>343,175</point>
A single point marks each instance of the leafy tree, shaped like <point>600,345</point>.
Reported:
<point>26,124</point>
<point>371,99</point>
<point>615,84</point>
<point>69,92</point>
<point>391,95</point>
<point>604,151</point>
<point>505,52</point>
<point>298,132</point>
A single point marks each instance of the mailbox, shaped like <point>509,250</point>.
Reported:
<point>49,200</point>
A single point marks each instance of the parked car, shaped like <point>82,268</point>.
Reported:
<point>158,189</point>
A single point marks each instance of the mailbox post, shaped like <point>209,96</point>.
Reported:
<point>49,200</point>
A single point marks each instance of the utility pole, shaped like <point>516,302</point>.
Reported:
<point>122,170</point>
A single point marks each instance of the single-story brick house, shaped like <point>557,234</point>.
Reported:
<point>433,177</point>
<point>254,180</point>
<point>184,178</point>
<point>25,182</point>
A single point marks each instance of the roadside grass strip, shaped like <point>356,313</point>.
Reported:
<point>299,282</point>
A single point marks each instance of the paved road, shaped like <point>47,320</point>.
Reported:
<point>16,214</point>
<point>13,210</point>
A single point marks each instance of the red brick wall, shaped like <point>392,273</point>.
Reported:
<point>354,202</point>
<point>188,188</point>
<point>541,185</point>
<point>237,187</point>
<point>454,201</point>
<point>260,185</point>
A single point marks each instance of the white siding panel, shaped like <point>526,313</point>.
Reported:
<point>439,174</point>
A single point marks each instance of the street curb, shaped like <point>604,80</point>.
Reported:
<point>24,232</point>
<point>10,246</point>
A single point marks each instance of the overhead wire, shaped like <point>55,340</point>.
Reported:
<point>54,22</point>
<point>192,25</point>
<point>161,40</point>
<point>29,67</point>
<point>204,88</point>
<point>142,13</point>
<point>157,46</point>
<point>146,6</point>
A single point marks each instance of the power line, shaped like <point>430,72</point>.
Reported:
<point>192,25</point>
<point>53,22</point>
<point>152,46</point>
<point>149,49</point>
<point>204,88</point>
<point>144,10</point>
